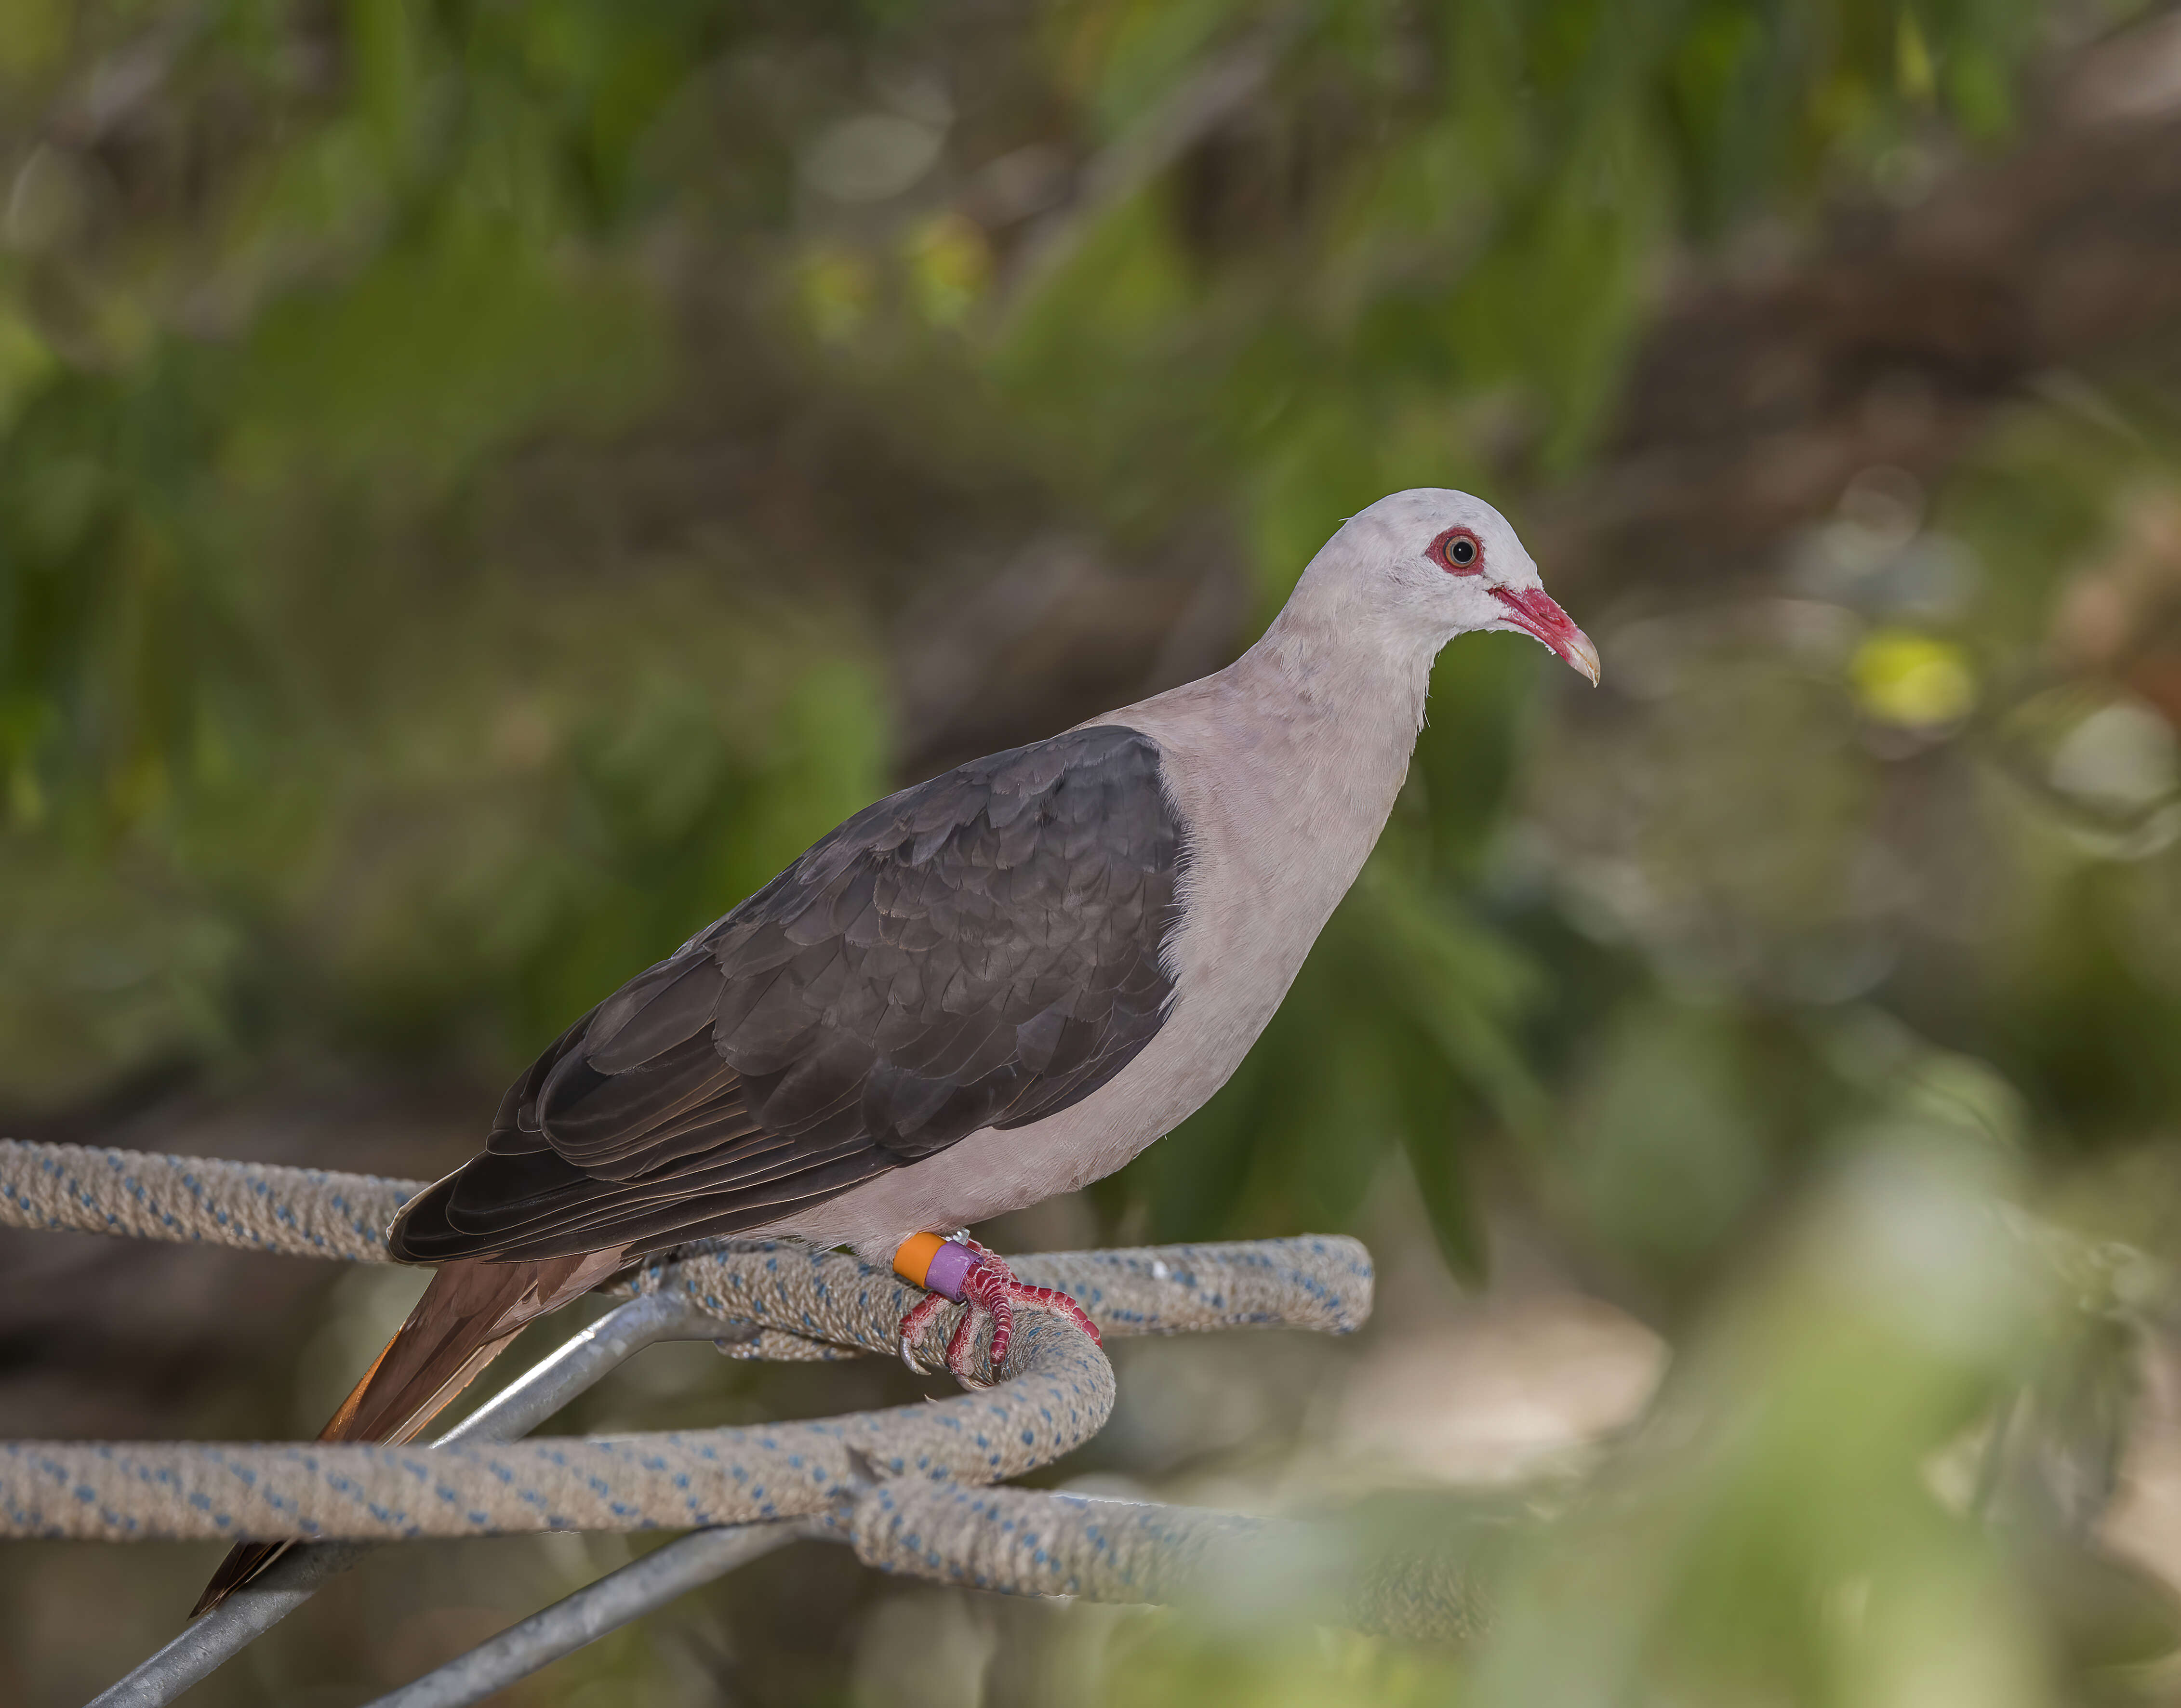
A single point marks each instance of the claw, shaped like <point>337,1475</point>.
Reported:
<point>913,1326</point>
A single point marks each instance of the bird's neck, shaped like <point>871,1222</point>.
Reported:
<point>1354,692</point>
<point>1319,725</point>
<point>1300,746</point>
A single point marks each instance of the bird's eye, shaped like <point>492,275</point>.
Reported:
<point>1460,550</point>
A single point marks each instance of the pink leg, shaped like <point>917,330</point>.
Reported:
<point>992,1289</point>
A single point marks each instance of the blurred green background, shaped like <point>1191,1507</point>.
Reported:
<point>483,483</point>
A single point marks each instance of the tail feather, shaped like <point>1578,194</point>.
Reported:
<point>466,1318</point>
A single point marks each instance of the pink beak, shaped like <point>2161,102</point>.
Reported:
<point>1534,612</point>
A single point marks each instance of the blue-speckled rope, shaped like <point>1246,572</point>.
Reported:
<point>809,1304</point>
<point>1025,1542</point>
<point>301,1212</point>
<point>1056,1393</point>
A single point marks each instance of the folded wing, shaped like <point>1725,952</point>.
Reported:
<point>982,950</point>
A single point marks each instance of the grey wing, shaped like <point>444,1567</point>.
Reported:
<point>982,950</point>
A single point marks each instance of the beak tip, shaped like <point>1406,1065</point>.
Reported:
<point>1534,613</point>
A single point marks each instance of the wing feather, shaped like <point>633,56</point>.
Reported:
<point>981,950</point>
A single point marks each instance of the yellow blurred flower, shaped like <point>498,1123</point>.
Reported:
<point>1916,681</point>
<point>949,262</point>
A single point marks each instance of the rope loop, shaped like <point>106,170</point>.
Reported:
<point>1056,1392</point>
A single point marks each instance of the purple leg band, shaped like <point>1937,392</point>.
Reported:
<point>950,1267</point>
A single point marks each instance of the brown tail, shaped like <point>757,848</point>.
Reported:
<point>468,1314</point>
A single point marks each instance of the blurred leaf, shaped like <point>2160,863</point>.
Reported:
<point>1430,1136</point>
<point>1669,1144</point>
<point>434,353</point>
<point>1905,678</point>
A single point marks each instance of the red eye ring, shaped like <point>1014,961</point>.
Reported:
<point>1459,551</point>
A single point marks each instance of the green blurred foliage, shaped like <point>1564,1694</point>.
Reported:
<point>460,465</point>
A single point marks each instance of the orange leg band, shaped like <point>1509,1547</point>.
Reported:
<point>912,1259</point>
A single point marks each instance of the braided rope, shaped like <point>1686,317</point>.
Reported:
<point>1057,1388</point>
<point>815,1304</point>
<point>1058,1394</point>
<point>301,1212</point>
<point>1025,1542</point>
<point>806,1303</point>
<point>909,1487</point>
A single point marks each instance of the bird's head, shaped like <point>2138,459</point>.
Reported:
<point>1424,565</point>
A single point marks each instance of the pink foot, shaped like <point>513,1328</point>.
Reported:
<point>990,1289</point>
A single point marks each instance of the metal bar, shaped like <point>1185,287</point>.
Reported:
<point>578,1364</point>
<point>641,1587</point>
<point>246,1615</point>
<point>292,1580</point>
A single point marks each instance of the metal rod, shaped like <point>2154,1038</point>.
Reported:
<point>641,1587</point>
<point>518,1409</point>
